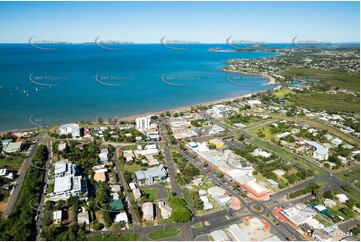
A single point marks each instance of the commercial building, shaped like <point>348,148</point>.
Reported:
<point>320,152</point>
<point>13,147</point>
<point>217,142</point>
<point>219,235</point>
<point>66,183</point>
<point>142,123</point>
<point>237,233</point>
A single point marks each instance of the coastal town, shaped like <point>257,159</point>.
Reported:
<point>267,166</point>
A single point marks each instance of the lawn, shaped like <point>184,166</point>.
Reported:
<point>163,234</point>
<point>350,175</point>
<point>131,168</point>
<point>322,220</point>
<point>11,163</point>
<point>114,237</point>
<point>129,147</point>
<point>151,193</point>
<point>197,225</point>
<point>283,92</point>
<point>266,131</point>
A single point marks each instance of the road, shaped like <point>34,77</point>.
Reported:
<point>125,187</point>
<point>43,192</point>
<point>21,178</point>
<point>171,171</point>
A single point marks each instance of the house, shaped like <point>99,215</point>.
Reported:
<point>3,172</point>
<point>103,157</point>
<point>342,197</point>
<point>83,217</point>
<point>279,173</point>
<point>219,235</point>
<point>57,215</point>
<point>281,136</point>
<point>100,176</point>
<point>117,205</point>
<point>329,203</point>
<point>151,174</point>
<point>216,191</point>
<point>62,146</point>
<point>260,152</point>
<point>132,186</point>
<point>72,129</point>
<point>137,194</point>
<point>254,102</point>
<point>217,142</point>
<point>272,182</point>
<point>165,210</point>
<point>121,217</point>
<point>320,152</point>
<point>148,211</point>
<point>13,147</point>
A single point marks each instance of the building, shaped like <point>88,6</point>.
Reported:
<point>256,223</point>
<point>100,176</point>
<point>62,146</point>
<point>165,210</point>
<point>262,153</point>
<point>121,217</point>
<point>237,233</point>
<point>13,147</point>
<point>329,203</point>
<point>216,191</point>
<point>217,142</point>
<point>219,235</point>
<point>299,214</point>
<point>273,183</point>
<point>279,173</point>
<point>117,205</point>
<point>256,191</point>
<point>142,123</point>
<point>148,211</point>
<point>83,217</point>
<point>281,136</point>
<point>137,194</point>
<point>72,129</point>
<point>66,183</point>
<point>152,174</point>
<point>342,198</point>
<point>57,215</point>
<point>320,152</point>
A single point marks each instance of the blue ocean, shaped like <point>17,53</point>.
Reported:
<point>74,82</point>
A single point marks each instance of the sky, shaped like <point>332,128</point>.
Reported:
<point>203,22</point>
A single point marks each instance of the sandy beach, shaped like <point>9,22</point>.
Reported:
<point>185,108</point>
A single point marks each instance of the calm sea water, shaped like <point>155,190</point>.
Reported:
<point>74,93</point>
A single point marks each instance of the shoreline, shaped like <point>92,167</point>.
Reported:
<point>187,107</point>
<point>134,116</point>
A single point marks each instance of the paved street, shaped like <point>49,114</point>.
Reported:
<point>20,179</point>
